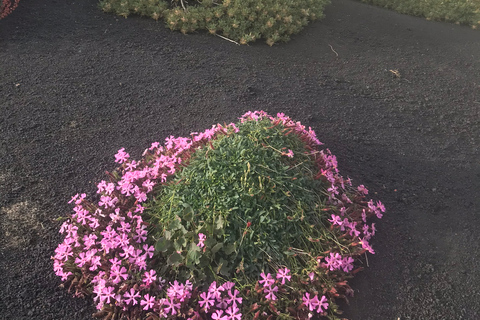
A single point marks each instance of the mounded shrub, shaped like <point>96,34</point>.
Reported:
<point>242,221</point>
<point>239,20</point>
<point>458,11</point>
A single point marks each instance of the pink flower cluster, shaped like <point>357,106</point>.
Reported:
<point>336,262</point>
<point>308,136</point>
<point>312,303</point>
<point>105,243</point>
<point>267,282</point>
<point>348,219</point>
<point>222,302</point>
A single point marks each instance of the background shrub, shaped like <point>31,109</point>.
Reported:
<point>240,20</point>
<point>458,11</point>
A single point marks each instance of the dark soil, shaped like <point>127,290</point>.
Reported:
<point>77,84</point>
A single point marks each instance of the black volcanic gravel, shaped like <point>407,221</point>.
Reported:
<point>77,84</point>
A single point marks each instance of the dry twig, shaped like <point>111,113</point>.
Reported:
<point>333,50</point>
<point>225,38</point>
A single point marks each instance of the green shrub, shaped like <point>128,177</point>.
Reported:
<point>240,20</point>
<point>458,11</point>
<point>251,201</point>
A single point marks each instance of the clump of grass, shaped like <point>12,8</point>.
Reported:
<point>242,221</point>
<point>465,12</point>
<point>242,21</point>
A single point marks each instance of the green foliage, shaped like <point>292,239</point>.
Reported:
<point>458,11</point>
<point>240,20</point>
<point>258,208</point>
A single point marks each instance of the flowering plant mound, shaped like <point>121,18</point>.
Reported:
<point>242,221</point>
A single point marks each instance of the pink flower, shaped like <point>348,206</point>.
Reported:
<point>353,229</point>
<point>366,246</point>
<point>63,251</point>
<point>307,301</point>
<point>122,240</point>
<point>171,306</point>
<point>89,240</point>
<point>121,156</point>
<point>131,297</point>
<point>107,294</point>
<point>207,300</point>
<point>127,252</point>
<point>117,273</point>
<point>149,277</point>
<point>361,188</point>
<point>141,196</point>
<point>175,291</point>
<point>214,290</point>
<point>289,153</point>
<point>334,261</point>
<point>347,264</point>
<point>232,312</point>
<point>218,315</point>
<point>336,220</point>
<point>115,262</point>
<point>228,285</point>
<point>233,298</point>
<point>283,274</point>
<point>141,235</point>
<point>267,280</point>
<point>148,184</point>
<point>321,304</point>
<point>271,293</point>
<point>222,303</point>
<point>66,275</point>
<point>148,250</point>
<point>81,259</point>
<point>131,165</point>
<point>201,239</point>
<point>148,302</point>
<point>95,263</point>
<point>109,188</point>
<point>74,198</point>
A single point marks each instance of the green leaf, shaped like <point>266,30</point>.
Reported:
<point>175,224</point>
<point>187,212</point>
<point>220,223</point>
<point>225,270</point>
<point>168,235</point>
<point>162,245</point>
<point>204,261</point>
<point>229,249</point>
<point>174,259</point>
<point>216,247</point>
<point>179,243</point>
<point>210,242</point>
<point>221,262</point>
<point>193,255</point>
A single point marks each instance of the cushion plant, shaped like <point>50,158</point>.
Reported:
<point>242,221</point>
<point>239,20</point>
